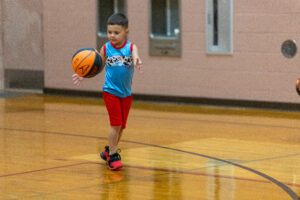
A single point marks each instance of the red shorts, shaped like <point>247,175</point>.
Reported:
<point>118,109</point>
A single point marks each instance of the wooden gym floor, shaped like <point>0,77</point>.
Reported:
<point>49,149</point>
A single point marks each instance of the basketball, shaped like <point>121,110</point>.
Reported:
<point>298,86</point>
<point>87,62</point>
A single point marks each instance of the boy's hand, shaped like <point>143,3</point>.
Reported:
<point>139,64</point>
<point>77,79</point>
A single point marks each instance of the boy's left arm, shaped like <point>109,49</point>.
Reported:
<point>136,58</point>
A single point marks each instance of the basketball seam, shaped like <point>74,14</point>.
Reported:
<point>83,49</point>
<point>83,60</point>
<point>92,68</point>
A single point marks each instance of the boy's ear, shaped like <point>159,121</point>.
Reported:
<point>127,31</point>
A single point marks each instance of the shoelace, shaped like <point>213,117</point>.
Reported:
<point>107,149</point>
<point>115,157</point>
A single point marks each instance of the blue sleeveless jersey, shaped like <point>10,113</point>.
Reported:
<point>119,69</point>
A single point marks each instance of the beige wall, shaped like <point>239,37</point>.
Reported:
<point>256,70</point>
<point>68,27</point>
<point>22,34</point>
<point>1,50</point>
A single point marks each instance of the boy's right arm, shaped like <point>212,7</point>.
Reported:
<point>102,54</point>
<point>78,79</point>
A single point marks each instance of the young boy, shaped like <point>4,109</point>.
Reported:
<point>120,56</point>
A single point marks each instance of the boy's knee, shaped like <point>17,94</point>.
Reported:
<point>117,127</point>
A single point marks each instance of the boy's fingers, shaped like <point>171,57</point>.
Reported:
<point>140,69</point>
<point>138,61</point>
<point>77,79</point>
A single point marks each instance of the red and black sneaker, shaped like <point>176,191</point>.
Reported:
<point>105,153</point>
<point>114,161</point>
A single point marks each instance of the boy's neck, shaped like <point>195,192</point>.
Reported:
<point>120,46</point>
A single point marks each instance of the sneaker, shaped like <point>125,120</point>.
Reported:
<point>105,153</point>
<point>114,161</point>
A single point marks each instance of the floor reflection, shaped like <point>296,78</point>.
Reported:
<point>218,187</point>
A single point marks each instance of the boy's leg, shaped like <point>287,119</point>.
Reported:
<point>114,158</point>
<point>113,107</point>
<point>113,139</point>
<point>117,131</point>
<point>125,107</point>
<point>113,147</point>
<point>120,135</point>
<point>118,109</point>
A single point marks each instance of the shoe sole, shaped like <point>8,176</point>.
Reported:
<point>114,169</point>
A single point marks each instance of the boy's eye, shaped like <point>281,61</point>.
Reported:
<point>111,32</point>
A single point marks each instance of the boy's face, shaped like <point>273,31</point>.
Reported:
<point>117,34</point>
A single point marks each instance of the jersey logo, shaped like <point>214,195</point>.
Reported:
<point>119,61</point>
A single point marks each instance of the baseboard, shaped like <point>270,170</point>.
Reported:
<point>24,79</point>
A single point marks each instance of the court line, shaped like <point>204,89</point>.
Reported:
<point>197,173</point>
<point>123,180</point>
<point>142,168</point>
<point>289,191</point>
<point>255,160</point>
<point>220,122</point>
<point>284,187</point>
<point>180,119</point>
<point>204,174</point>
<point>41,170</point>
<point>134,167</point>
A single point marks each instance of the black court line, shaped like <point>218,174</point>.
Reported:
<point>44,169</point>
<point>180,119</point>
<point>284,187</point>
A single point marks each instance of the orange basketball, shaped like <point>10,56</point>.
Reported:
<point>87,62</point>
<point>298,86</point>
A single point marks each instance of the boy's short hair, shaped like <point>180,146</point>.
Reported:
<point>118,19</point>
